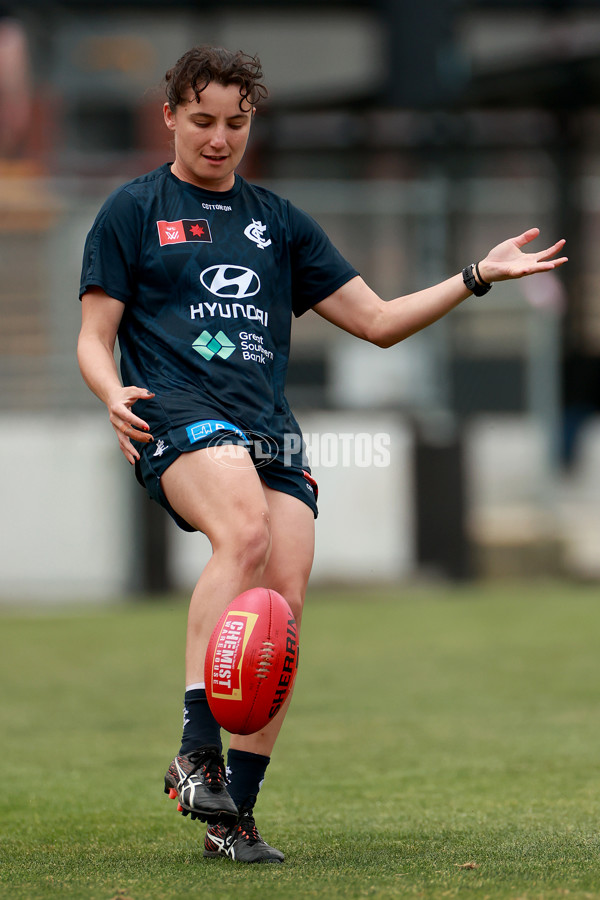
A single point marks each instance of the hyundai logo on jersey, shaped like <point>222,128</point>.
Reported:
<point>231,281</point>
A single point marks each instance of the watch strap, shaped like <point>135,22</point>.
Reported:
<point>471,283</point>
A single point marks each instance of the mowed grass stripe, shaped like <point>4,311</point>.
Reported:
<point>442,742</point>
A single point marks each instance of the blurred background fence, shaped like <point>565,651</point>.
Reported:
<point>418,135</point>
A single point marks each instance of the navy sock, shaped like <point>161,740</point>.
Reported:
<point>246,772</point>
<point>200,728</point>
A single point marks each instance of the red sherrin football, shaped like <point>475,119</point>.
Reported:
<point>251,661</point>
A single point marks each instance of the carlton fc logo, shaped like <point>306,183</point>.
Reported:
<point>234,282</point>
<point>255,232</point>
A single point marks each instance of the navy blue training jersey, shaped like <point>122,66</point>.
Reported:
<point>209,281</point>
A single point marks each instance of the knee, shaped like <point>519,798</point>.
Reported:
<point>250,541</point>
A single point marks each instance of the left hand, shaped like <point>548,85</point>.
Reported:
<point>508,260</point>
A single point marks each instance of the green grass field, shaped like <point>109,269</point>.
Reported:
<point>443,742</point>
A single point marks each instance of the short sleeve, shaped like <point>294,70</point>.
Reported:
<point>318,268</point>
<point>112,248</point>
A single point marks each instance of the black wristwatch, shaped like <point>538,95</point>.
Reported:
<point>471,282</point>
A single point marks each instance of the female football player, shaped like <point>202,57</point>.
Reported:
<point>198,273</point>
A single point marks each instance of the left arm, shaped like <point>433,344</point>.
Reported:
<point>360,311</point>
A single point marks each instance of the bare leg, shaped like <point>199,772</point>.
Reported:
<point>288,570</point>
<point>227,503</point>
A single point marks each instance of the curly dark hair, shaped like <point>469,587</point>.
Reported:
<point>201,65</point>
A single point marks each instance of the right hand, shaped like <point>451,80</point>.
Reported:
<point>508,260</point>
<point>128,426</point>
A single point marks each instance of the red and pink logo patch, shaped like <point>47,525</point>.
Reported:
<point>182,231</point>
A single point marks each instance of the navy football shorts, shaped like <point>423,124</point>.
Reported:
<point>281,468</point>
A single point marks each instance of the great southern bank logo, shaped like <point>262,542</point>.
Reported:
<point>208,346</point>
<point>231,281</point>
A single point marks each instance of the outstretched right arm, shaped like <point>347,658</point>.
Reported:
<point>100,319</point>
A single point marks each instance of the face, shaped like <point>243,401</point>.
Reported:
<point>211,134</point>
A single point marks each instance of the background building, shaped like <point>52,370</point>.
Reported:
<point>419,135</point>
